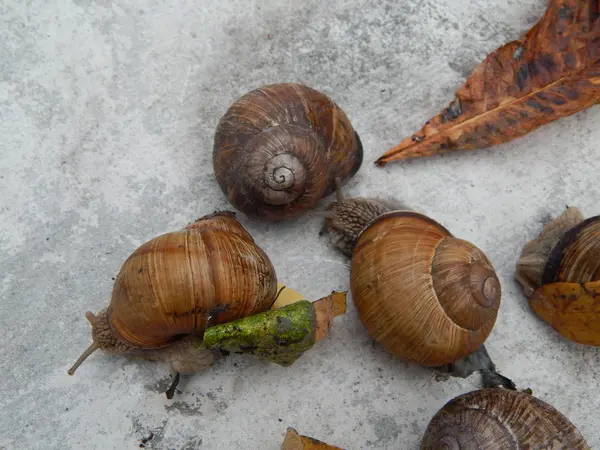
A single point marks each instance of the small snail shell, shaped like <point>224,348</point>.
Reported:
<point>499,419</point>
<point>278,149</point>
<point>559,272</point>
<point>422,293</point>
<point>175,284</point>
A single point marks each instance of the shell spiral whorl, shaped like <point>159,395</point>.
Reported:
<point>466,284</point>
<point>284,164</point>
<point>280,172</point>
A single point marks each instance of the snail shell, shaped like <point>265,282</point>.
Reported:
<point>176,283</point>
<point>560,274</point>
<point>278,150</point>
<point>499,419</point>
<point>423,294</point>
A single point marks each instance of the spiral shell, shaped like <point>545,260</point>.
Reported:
<point>278,150</point>
<point>176,283</point>
<point>499,419</point>
<point>423,294</point>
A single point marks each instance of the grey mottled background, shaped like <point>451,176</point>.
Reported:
<point>107,114</point>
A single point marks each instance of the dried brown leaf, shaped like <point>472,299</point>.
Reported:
<point>326,309</point>
<point>550,73</point>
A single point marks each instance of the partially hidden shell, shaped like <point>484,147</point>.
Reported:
<point>576,256</point>
<point>569,296</point>
<point>500,419</point>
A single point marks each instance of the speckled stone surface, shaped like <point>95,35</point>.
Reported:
<point>107,115</point>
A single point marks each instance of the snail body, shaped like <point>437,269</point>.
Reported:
<point>175,285</point>
<point>278,150</point>
<point>500,419</point>
<point>421,293</point>
<point>559,273</point>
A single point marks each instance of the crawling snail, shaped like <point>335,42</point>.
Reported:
<point>172,287</point>
<point>559,272</point>
<point>423,294</point>
<point>184,296</point>
<point>278,149</point>
<point>492,419</point>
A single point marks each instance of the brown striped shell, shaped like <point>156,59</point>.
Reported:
<point>500,419</point>
<point>278,150</point>
<point>560,274</point>
<point>423,294</point>
<point>176,283</point>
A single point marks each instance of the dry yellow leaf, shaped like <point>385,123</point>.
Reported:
<point>286,296</point>
<point>294,441</point>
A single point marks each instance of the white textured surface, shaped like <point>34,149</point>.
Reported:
<point>107,114</point>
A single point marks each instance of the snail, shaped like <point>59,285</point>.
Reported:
<point>559,273</point>
<point>175,285</point>
<point>279,148</point>
<point>493,419</point>
<point>423,294</point>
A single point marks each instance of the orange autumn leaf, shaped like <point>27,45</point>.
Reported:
<point>572,309</point>
<point>294,441</point>
<point>550,73</point>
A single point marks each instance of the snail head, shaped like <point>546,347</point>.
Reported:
<point>347,217</point>
<point>102,338</point>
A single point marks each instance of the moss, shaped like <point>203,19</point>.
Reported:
<point>280,336</point>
